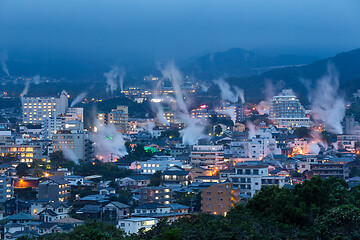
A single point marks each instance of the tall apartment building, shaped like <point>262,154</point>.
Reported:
<point>207,155</point>
<point>203,113</point>
<point>261,145</point>
<point>219,198</point>
<point>238,109</point>
<point>118,117</point>
<point>51,125</point>
<point>35,109</point>
<point>6,188</point>
<point>287,111</point>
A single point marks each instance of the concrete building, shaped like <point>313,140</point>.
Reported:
<point>134,224</point>
<point>163,195</point>
<point>261,145</point>
<point>118,117</point>
<point>6,188</point>
<point>72,142</point>
<point>23,153</point>
<point>250,178</point>
<point>158,163</point>
<point>203,113</point>
<point>287,111</point>
<point>35,109</point>
<point>219,198</point>
<point>238,109</point>
<point>55,189</point>
<point>211,156</point>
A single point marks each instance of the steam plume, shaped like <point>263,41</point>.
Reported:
<point>172,73</point>
<point>70,155</point>
<point>3,59</point>
<point>150,127</point>
<point>111,78</point>
<point>109,143</point>
<point>193,131</point>
<point>160,114</point>
<point>227,94</point>
<point>78,99</point>
<point>327,104</point>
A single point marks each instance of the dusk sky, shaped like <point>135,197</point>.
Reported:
<point>158,29</point>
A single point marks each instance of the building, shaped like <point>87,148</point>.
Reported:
<point>203,113</point>
<point>118,117</point>
<point>35,109</point>
<point>234,112</point>
<point>261,145</point>
<point>163,195</point>
<point>158,163</point>
<point>249,178</point>
<point>207,155</point>
<point>219,198</point>
<point>175,178</point>
<point>326,170</point>
<point>55,189</point>
<point>6,188</point>
<point>134,224</point>
<point>115,211</point>
<point>26,153</point>
<point>71,143</point>
<point>287,111</point>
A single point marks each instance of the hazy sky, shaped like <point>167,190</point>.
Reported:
<point>177,28</point>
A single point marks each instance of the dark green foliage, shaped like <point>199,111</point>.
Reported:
<point>317,209</point>
<point>25,193</point>
<point>22,169</point>
<point>109,171</point>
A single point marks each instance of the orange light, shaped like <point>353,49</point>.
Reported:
<point>93,163</point>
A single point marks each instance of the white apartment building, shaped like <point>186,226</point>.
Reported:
<point>207,155</point>
<point>261,145</point>
<point>153,165</point>
<point>250,178</point>
<point>134,224</point>
<point>287,111</point>
<point>35,109</point>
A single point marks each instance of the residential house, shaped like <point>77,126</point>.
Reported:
<point>134,224</point>
<point>55,189</point>
<point>115,211</point>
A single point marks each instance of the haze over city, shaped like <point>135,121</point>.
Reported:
<point>164,120</point>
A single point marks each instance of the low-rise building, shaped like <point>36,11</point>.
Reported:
<point>134,224</point>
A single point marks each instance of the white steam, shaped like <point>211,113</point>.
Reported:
<point>160,114</point>
<point>172,73</point>
<point>109,144</point>
<point>78,99</point>
<point>150,127</point>
<point>35,80</point>
<point>229,95</point>
<point>3,59</point>
<point>114,76</point>
<point>193,131</point>
<point>70,155</point>
<point>328,105</point>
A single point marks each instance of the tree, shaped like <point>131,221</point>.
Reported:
<point>302,132</point>
<point>22,169</point>
<point>217,130</point>
<point>155,179</point>
<point>57,159</point>
<point>341,222</point>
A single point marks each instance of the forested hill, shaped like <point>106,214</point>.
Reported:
<point>346,64</point>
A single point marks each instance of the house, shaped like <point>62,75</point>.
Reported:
<point>134,224</point>
<point>107,191</point>
<point>46,228</point>
<point>160,194</point>
<point>15,205</point>
<point>134,181</point>
<point>175,178</point>
<point>115,210</point>
<point>69,220</point>
<point>94,199</point>
<point>178,208</point>
<point>90,211</point>
<point>28,233</point>
<point>20,218</point>
<point>5,167</point>
<point>199,171</point>
<point>60,208</point>
<point>151,208</point>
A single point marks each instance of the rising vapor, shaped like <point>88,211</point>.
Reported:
<point>78,99</point>
<point>112,77</point>
<point>327,104</point>
<point>229,95</point>
<point>3,59</point>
